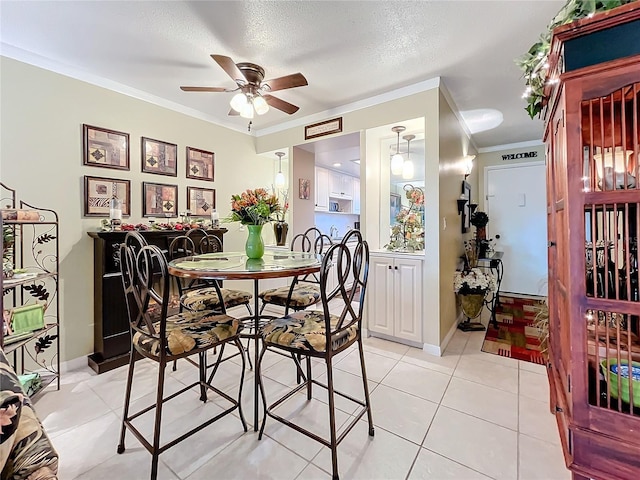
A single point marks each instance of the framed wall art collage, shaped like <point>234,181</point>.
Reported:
<point>106,148</point>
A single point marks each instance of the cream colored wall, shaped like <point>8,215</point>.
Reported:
<point>303,210</point>
<point>490,159</point>
<point>41,157</point>
<point>376,121</point>
<point>454,146</point>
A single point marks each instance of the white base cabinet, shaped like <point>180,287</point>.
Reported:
<point>394,297</point>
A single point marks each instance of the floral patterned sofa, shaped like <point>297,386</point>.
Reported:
<point>26,453</point>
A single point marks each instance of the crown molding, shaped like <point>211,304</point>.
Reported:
<point>456,112</point>
<point>354,106</point>
<point>511,146</point>
<point>30,58</point>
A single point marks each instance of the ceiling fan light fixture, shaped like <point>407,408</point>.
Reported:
<point>261,105</point>
<point>238,101</point>
<point>247,110</point>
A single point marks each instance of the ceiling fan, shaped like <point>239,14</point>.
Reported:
<point>253,91</point>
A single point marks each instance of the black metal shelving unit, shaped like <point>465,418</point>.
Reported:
<point>35,250</point>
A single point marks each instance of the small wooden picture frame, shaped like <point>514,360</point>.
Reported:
<point>160,158</point>
<point>98,192</point>
<point>200,201</point>
<point>159,200</point>
<point>105,148</point>
<point>200,164</point>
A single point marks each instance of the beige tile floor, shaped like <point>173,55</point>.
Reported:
<point>465,415</point>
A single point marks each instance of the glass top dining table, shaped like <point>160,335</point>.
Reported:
<point>237,266</point>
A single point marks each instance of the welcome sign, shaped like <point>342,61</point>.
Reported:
<point>517,156</point>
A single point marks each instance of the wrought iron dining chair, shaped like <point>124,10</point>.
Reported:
<point>303,291</point>
<point>320,334</point>
<point>162,339</point>
<point>199,295</point>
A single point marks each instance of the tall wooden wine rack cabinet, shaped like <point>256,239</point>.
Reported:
<point>593,186</point>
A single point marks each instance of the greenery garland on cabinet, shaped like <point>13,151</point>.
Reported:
<point>534,63</point>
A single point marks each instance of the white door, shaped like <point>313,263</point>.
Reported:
<point>516,205</point>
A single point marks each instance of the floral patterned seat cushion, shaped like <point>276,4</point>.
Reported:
<point>304,295</point>
<point>204,328</point>
<point>25,448</point>
<point>207,299</point>
<point>305,330</point>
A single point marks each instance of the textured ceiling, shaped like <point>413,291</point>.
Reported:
<point>348,51</point>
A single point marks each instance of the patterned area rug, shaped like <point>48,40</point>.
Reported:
<point>516,335</point>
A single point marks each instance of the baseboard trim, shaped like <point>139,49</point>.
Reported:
<point>74,364</point>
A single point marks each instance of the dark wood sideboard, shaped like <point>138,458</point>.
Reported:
<point>111,337</point>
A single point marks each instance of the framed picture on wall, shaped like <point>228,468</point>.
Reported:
<point>159,200</point>
<point>159,157</point>
<point>200,164</point>
<point>99,191</point>
<point>466,211</point>
<point>200,201</point>
<point>105,148</point>
<point>304,188</point>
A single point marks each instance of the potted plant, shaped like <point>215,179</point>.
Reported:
<point>281,227</point>
<point>472,286</point>
<point>407,235</point>
<point>254,208</point>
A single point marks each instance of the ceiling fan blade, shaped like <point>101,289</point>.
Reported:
<point>288,81</point>
<point>203,89</point>
<point>230,67</point>
<point>233,113</point>
<point>280,104</point>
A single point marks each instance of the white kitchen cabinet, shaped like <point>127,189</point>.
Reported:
<point>322,189</point>
<point>395,296</point>
<point>340,186</point>
<point>356,196</point>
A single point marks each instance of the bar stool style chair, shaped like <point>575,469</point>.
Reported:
<point>198,295</point>
<point>163,339</point>
<point>322,335</point>
<point>303,292</point>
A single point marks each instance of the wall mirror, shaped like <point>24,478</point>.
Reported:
<point>403,228</point>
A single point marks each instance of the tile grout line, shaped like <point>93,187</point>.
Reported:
<point>434,416</point>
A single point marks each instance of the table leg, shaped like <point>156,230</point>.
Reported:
<point>256,322</point>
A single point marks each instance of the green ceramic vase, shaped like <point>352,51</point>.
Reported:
<point>254,247</point>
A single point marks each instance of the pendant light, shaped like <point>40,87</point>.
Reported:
<point>397,160</point>
<point>407,166</point>
<point>280,180</point>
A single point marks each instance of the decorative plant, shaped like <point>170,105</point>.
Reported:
<point>408,233</point>
<point>283,201</point>
<point>473,282</point>
<point>534,63</point>
<point>253,207</point>
<point>541,322</point>
<point>479,219</point>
